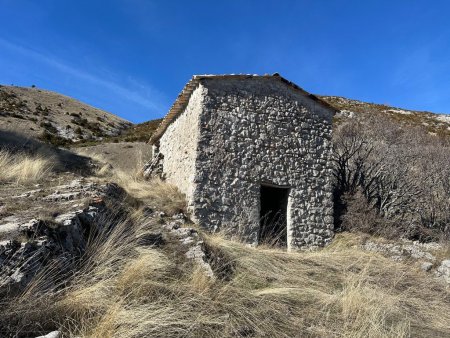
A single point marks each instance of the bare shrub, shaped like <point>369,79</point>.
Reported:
<point>361,216</point>
<point>402,172</point>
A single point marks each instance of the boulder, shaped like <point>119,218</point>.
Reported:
<point>443,271</point>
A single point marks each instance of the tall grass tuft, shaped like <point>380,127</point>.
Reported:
<point>23,168</point>
<point>128,290</point>
<point>155,192</point>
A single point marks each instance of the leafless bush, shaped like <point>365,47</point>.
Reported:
<point>402,172</point>
<point>360,216</point>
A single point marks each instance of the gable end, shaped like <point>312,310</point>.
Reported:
<point>183,98</point>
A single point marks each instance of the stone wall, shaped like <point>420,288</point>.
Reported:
<point>178,145</point>
<point>260,130</point>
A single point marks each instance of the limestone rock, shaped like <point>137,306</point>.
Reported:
<point>404,249</point>
<point>190,238</point>
<point>57,241</point>
<point>443,271</point>
<point>426,266</point>
<point>53,334</point>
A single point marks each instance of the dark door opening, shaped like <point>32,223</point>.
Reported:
<point>273,216</point>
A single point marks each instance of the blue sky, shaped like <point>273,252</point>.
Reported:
<point>132,57</point>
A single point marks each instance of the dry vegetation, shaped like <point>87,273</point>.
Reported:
<point>54,118</point>
<point>140,132</point>
<point>23,168</point>
<point>390,180</point>
<point>155,193</point>
<point>407,118</point>
<point>124,289</point>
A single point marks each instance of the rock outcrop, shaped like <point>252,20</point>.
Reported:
<point>55,243</point>
<point>423,254</point>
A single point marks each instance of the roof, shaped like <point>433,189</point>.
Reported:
<point>183,98</point>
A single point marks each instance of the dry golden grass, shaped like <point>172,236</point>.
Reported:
<point>154,193</point>
<point>123,289</point>
<point>23,168</point>
<point>340,292</point>
<point>126,290</point>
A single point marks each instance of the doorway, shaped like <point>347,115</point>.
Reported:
<point>273,216</point>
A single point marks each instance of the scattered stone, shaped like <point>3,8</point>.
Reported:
<point>58,196</point>
<point>11,225</point>
<point>174,225</point>
<point>28,193</point>
<point>187,241</point>
<point>197,254</point>
<point>4,243</point>
<point>53,334</point>
<point>154,166</point>
<point>400,251</point>
<point>58,241</point>
<point>190,238</point>
<point>30,225</point>
<point>426,266</point>
<point>180,216</point>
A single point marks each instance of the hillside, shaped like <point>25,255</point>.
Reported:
<point>102,261</point>
<point>61,120</point>
<point>436,124</point>
<point>140,132</point>
<point>88,248</point>
<point>53,117</point>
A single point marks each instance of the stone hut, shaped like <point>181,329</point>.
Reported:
<point>252,156</point>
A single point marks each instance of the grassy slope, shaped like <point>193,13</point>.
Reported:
<point>34,112</point>
<point>341,291</point>
<point>438,124</point>
<point>126,289</point>
<point>23,168</point>
<point>52,116</point>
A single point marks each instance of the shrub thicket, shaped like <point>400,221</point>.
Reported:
<point>403,174</point>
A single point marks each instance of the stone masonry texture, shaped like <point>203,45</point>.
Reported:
<point>239,132</point>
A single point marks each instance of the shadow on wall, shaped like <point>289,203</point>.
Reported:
<point>64,159</point>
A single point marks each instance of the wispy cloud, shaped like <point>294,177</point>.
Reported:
<point>137,92</point>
